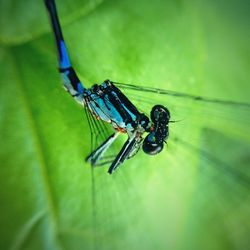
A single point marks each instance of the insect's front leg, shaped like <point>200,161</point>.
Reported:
<point>123,154</point>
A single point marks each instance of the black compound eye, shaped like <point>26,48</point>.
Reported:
<point>150,147</point>
<point>160,114</point>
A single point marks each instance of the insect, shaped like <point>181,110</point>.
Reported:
<point>107,103</point>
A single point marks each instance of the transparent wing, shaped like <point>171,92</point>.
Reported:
<point>228,115</point>
<point>208,131</point>
<point>221,170</point>
<point>215,130</point>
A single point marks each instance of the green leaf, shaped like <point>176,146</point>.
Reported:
<point>194,195</point>
<point>21,22</point>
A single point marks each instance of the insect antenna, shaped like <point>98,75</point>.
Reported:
<point>172,121</point>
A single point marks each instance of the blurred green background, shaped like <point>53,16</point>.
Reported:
<point>180,199</point>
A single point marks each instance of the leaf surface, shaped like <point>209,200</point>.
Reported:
<point>194,195</point>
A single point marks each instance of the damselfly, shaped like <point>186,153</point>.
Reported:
<point>106,103</point>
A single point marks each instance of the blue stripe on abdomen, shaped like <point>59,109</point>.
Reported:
<point>64,58</point>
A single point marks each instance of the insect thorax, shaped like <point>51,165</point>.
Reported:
<point>108,103</point>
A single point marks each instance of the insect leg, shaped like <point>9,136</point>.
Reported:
<point>95,156</point>
<point>125,151</point>
<point>70,79</point>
